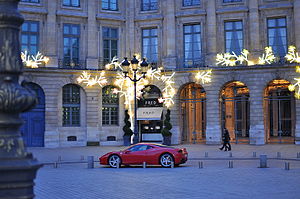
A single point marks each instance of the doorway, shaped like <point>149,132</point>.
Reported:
<point>33,129</point>
<point>193,113</point>
<point>235,111</point>
<point>279,104</point>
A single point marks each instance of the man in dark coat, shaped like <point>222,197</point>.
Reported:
<point>226,141</point>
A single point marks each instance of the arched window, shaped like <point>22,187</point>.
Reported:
<point>71,105</point>
<point>110,106</point>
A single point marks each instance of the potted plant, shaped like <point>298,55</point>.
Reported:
<point>166,130</point>
<point>127,130</point>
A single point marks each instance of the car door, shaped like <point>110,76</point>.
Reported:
<point>134,155</point>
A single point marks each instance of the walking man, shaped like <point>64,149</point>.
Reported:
<point>226,141</point>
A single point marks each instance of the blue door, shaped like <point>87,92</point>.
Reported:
<point>33,128</point>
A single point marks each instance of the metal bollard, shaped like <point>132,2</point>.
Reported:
<point>278,155</point>
<point>55,164</point>
<point>82,157</point>
<point>263,161</point>
<point>230,154</point>
<point>254,154</point>
<point>144,165</point>
<point>287,166</point>
<point>118,165</point>
<point>59,159</point>
<point>172,164</point>
<point>90,162</point>
<point>206,154</point>
<point>200,165</point>
<point>230,164</point>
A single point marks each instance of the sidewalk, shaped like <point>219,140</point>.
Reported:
<point>195,151</point>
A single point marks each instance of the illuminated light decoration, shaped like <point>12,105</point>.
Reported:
<point>292,87</point>
<point>126,87</point>
<point>31,61</point>
<point>297,69</point>
<point>204,76</point>
<point>292,55</point>
<point>86,78</point>
<point>228,59</point>
<point>267,57</point>
<point>168,91</point>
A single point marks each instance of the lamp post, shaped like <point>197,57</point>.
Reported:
<point>17,167</point>
<point>133,65</point>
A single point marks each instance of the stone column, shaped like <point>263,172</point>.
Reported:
<point>213,124</point>
<point>51,35</point>
<point>254,33</point>
<point>211,24</point>
<point>169,33</point>
<point>297,23</point>
<point>17,167</point>
<point>92,33</point>
<point>130,28</point>
<point>257,129</point>
<point>92,114</point>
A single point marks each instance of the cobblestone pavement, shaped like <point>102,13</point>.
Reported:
<point>214,180</point>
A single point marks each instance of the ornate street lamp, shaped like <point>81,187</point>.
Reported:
<point>133,66</point>
<point>17,167</point>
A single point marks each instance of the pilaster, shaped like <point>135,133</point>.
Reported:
<point>297,23</point>
<point>257,129</point>
<point>169,30</point>
<point>211,36</point>
<point>51,36</point>
<point>213,127</point>
<point>92,39</point>
<point>254,32</point>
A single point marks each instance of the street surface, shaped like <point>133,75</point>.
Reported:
<point>215,180</point>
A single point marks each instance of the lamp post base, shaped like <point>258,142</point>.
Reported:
<point>17,177</point>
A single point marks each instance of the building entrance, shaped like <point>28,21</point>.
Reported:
<point>278,105</point>
<point>235,114</point>
<point>150,114</point>
<point>193,113</point>
<point>33,129</point>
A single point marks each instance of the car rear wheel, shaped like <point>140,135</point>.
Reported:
<point>166,160</point>
<point>114,161</point>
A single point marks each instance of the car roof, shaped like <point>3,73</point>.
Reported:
<point>154,144</point>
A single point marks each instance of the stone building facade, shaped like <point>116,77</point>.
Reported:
<point>252,102</point>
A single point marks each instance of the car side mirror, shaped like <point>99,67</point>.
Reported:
<point>127,151</point>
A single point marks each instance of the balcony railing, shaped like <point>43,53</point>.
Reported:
<point>191,64</point>
<point>72,64</point>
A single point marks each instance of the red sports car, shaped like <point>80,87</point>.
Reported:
<point>152,154</point>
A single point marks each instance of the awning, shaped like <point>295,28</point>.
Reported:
<point>149,113</point>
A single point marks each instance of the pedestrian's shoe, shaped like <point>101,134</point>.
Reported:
<point>221,149</point>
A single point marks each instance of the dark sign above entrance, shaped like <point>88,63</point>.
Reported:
<point>149,103</point>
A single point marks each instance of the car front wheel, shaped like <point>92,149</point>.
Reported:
<point>166,160</point>
<point>114,161</point>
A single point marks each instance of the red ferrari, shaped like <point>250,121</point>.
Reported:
<point>152,154</point>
